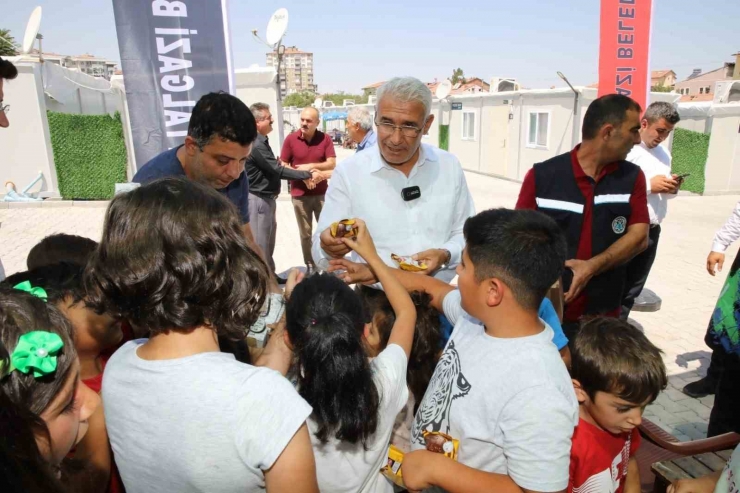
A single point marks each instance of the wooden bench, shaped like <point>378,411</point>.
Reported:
<point>693,467</point>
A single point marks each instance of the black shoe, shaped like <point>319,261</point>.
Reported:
<point>700,388</point>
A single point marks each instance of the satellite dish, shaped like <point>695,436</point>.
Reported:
<point>443,89</point>
<point>32,29</point>
<point>277,26</point>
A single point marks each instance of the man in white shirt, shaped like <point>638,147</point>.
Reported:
<point>412,196</point>
<point>655,161</point>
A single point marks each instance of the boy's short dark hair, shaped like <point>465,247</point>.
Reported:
<point>611,108</point>
<point>174,256</point>
<point>61,281</point>
<point>610,355</point>
<point>61,248</point>
<point>523,248</point>
<point>219,114</point>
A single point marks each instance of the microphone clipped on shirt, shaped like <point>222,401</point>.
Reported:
<point>410,193</point>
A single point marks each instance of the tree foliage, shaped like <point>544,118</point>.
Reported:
<point>661,89</point>
<point>5,48</point>
<point>299,99</point>
<point>457,76</point>
<point>338,98</point>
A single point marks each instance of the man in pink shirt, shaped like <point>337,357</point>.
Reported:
<point>308,149</point>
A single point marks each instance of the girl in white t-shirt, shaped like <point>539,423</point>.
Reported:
<point>355,401</point>
<point>181,414</point>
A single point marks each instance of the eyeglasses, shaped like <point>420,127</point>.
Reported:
<point>5,108</point>
<point>406,130</point>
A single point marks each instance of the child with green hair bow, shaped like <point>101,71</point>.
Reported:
<point>44,405</point>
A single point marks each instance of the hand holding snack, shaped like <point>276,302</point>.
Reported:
<point>334,247</point>
<point>418,469</point>
<point>433,259</point>
<point>409,263</point>
<point>362,243</point>
<point>346,228</point>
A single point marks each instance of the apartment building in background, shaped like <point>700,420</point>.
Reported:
<point>702,86</point>
<point>296,70</point>
<point>87,64</point>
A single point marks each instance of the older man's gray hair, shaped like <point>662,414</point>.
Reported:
<point>259,110</point>
<point>661,109</point>
<point>407,90</point>
<point>361,115</point>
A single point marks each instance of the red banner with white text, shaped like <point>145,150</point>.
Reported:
<point>624,51</point>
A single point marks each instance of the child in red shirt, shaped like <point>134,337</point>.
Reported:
<point>616,372</point>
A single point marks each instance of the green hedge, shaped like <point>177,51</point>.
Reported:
<point>690,156</point>
<point>89,154</point>
<point>444,137</point>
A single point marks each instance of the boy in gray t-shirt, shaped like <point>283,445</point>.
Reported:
<point>500,386</point>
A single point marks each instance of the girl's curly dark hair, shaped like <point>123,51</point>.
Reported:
<point>427,335</point>
<point>173,256</point>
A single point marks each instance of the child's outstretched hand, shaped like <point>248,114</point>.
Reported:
<point>295,276</point>
<point>418,467</point>
<point>363,242</point>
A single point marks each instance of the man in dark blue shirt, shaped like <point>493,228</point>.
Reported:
<point>220,136</point>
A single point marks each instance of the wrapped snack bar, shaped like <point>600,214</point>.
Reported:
<point>344,229</point>
<point>392,469</point>
<point>441,444</point>
<point>408,263</point>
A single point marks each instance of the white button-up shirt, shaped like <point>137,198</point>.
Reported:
<point>366,187</point>
<point>729,232</point>
<point>653,162</point>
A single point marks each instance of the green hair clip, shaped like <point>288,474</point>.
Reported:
<point>36,351</point>
<point>35,291</point>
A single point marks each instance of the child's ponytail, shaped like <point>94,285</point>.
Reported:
<point>325,326</point>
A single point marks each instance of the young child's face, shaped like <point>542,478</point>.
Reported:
<point>66,417</point>
<point>93,332</point>
<point>470,288</point>
<point>372,338</point>
<point>611,413</point>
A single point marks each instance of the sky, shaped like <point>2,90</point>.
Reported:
<point>356,44</point>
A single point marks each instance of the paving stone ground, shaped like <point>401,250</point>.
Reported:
<point>678,277</point>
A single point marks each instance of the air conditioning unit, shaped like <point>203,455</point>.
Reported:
<point>503,84</point>
<point>372,99</point>
<point>727,91</point>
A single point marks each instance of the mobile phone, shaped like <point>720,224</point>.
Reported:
<point>681,177</point>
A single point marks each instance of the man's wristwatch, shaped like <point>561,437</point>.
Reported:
<point>446,262</point>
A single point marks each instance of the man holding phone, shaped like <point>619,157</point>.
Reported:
<point>654,159</point>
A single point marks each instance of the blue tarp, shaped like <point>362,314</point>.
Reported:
<point>334,115</point>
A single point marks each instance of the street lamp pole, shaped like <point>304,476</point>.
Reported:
<point>574,138</point>
<point>280,52</point>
